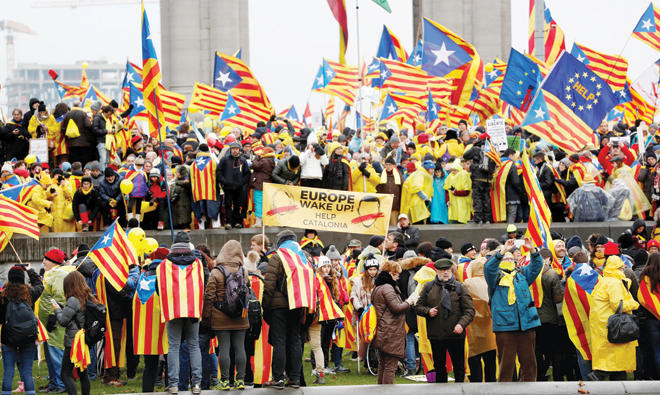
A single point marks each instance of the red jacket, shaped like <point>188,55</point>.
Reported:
<point>604,157</point>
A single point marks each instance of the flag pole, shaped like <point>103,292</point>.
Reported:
<point>358,106</point>
<point>162,159</point>
<point>12,247</point>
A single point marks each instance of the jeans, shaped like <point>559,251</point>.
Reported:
<point>234,339</point>
<point>184,366</point>
<point>511,211</point>
<point>23,358</point>
<point>91,369</point>
<point>585,367</point>
<point>103,154</point>
<point>284,336</point>
<point>411,352</point>
<point>67,375</point>
<point>188,329</point>
<point>204,345</point>
<point>54,357</point>
<point>336,353</point>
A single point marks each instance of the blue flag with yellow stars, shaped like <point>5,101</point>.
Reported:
<point>521,81</point>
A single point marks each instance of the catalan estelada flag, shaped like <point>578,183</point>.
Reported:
<point>21,193</point>
<point>69,91</point>
<point>328,309</point>
<point>553,38</point>
<point>109,357</point>
<point>390,47</point>
<point>80,351</point>
<point>149,333</point>
<point>263,351</point>
<point>113,253</point>
<point>232,75</point>
<point>647,29</point>
<point>202,177</point>
<point>367,324</point>
<point>151,79</point>
<point>300,277</point>
<point>239,112</point>
<point>401,77</point>
<point>337,79</point>
<point>612,69</point>
<point>576,306</point>
<point>181,290</point>
<point>338,8</point>
<point>649,297</point>
<point>93,94</point>
<point>346,335</point>
<point>208,98</point>
<point>16,217</point>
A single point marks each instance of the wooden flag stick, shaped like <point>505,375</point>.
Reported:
<point>12,247</point>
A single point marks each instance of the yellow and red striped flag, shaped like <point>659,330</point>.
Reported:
<point>208,98</point>
<point>531,27</point>
<point>346,335</point>
<point>16,217</point>
<point>577,305</point>
<point>401,77</point>
<point>649,297</point>
<point>328,309</point>
<point>300,279</point>
<point>42,333</point>
<point>612,69</point>
<point>367,324</point>
<point>263,351</point>
<point>553,38</point>
<point>181,290</point>
<point>648,29</point>
<point>338,8</point>
<point>339,80</point>
<point>149,333</point>
<point>151,80</point>
<point>232,75</point>
<point>113,253</point>
<point>329,112</point>
<point>202,177</point>
<point>80,351</point>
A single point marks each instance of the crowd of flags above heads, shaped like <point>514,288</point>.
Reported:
<point>440,81</point>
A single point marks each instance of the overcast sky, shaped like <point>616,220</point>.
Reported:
<point>283,54</point>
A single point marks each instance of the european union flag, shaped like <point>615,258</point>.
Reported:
<point>224,77</point>
<point>581,90</point>
<point>521,81</point>
<point>231,109</point>
<point>389,108</point>
<point>441,55</point>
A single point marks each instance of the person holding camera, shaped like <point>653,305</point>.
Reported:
<point>62,192</point>
<point>447,307</point>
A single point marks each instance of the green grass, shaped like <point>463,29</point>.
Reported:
<point>40,374</point>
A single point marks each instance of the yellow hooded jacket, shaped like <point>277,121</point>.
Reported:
<point>411,203</point>
<point>460,207</point>
<point>362,183</point>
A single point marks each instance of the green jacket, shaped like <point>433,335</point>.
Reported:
<point>53,289</point>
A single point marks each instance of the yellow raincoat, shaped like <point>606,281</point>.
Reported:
<point>455,149</point>
<point>460,207</point>
<point>38,200</point>
<point>62,211</point>
<point>50,123</point>
<point>362,183</point>
<point>605,298</point>
<point>411,203</point>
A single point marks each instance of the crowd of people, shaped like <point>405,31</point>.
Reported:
<point>191,179</point>
<point>500,311</point>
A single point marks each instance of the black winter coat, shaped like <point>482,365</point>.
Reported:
<point>16,145</point>
<point>109,191</point>
<point>546,181</point>
<point>233,172</point>
<point>92,201</point>
<point>336,175</point>
<point>82,121</point>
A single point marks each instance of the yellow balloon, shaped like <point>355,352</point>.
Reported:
<point>30,159</point>
<point>489,67</point>
<point>149,245</point>
<point>85,65</point>
<point>126,187</point>
<point>136,237</point>
<point>192,109</point>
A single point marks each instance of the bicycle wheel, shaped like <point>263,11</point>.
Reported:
<point>372,359</point>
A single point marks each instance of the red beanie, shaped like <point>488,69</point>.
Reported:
<point>329,136</point>
<point>55,255</point>
<point>611,248</point>
<point>230,139</point>
<point>423,138</point>
<point>410,167</point>
<point>160,253</point>
<point>484,136</point>
<point>652,243</point>
<point>136,138</point>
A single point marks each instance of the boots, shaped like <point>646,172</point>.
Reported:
<point>319,377</point>
<point>202,223</point>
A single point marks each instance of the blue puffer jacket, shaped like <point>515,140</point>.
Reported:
<point>521,315</point>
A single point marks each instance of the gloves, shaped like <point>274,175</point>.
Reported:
<point>412,299</point>
<point>113,203</point>
<point>51,323</point>
<point>363,169</point>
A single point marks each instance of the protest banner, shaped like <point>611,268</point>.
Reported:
<point>496,129</point>
<point>326,209</point>
<point>39,148</point>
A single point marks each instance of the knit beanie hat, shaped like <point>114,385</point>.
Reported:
<point>55,255</point>
<point>16,275</point>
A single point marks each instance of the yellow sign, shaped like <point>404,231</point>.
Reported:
<point>326,209</point>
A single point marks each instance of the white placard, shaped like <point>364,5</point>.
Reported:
<point>496,129</point>
<point>39,148</point>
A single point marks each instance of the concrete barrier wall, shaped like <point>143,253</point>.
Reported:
<point>32,250</point>
<point>541,388</point>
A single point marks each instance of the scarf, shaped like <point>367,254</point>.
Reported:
<point>395,173</point>
<point>315,241</point>
<point>508,273</point>
<point>598,260</point>
<point>86,192</point>
<point>445,299</point>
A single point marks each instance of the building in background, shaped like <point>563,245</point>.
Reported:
<point>32,80</point>
<point>486,24</point>
<point>191,31</point>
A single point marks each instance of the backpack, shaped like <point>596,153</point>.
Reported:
<point>20,327</point>
<point>236,293</point>
<point>95,315</point>
<point>72,130</point>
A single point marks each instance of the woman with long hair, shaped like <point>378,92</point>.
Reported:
<point>15,352</point>
<point>72,317</point>
<point>328,275</point>
<point>361,288</point>
<point>649,326</point>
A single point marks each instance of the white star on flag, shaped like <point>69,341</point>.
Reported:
<point>622,93</point>
<point>319,80</point>
<point>129,77</point>
<point>139,102</point>
<point>442,55</point>
<point>223,77</point>
<point>328,73</point>
<point>647,24</point>
<point>417,59</point>
<point>539,113</point>
<point>584,270</point>
<point>106,239</point>
<point>391,108</point>
<point>493,73</point>
<point>232,110</point>
<point>581,58</point>
<point>144,284</point>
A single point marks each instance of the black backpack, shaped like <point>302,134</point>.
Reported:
<point>95,315</point>
<point>236,293</point>
<point>254,315</point>
<point>20,327</point>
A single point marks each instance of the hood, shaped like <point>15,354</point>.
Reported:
<point>32,101</point>
<point>385,278</point>
<point>181,257</point>
<point>369,250</point>
<point>231,252</point>
<point>638,222</point>
<point>414,262</point>
<point>476,268</point>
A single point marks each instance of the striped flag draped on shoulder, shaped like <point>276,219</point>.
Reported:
<point>299,280</point>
